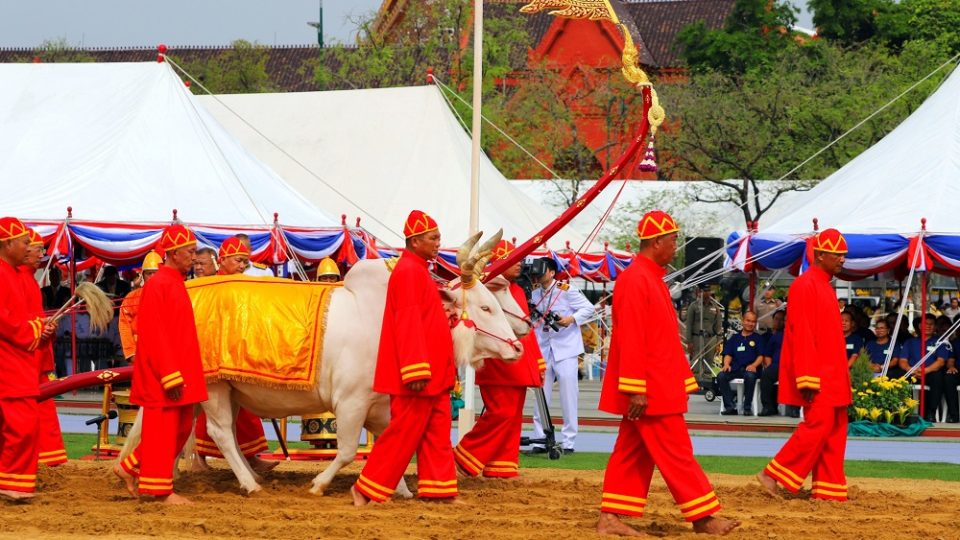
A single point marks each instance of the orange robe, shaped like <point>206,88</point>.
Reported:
<point>415,345</point>
<point>493,445</point>
<point>814,358</point>
<point>168,356</point>
<point>127,326</point>
<point>20,332</point>
<point>646,357</point>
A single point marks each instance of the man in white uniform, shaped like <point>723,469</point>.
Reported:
<point>254,269</point>
<point>560,348</point>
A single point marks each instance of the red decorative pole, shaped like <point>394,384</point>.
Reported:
<point>175,219</point>
<point>73,289</point>
<point>161,53</point>
<point>923,319</point>
<point>430,75</point>
<point>83,380</point>
<point>752,228</point>
<point>358,222</point>
<point>547,232</point>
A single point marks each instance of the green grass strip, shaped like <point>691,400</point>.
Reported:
<point>592,461</point>
<point>79,445</point>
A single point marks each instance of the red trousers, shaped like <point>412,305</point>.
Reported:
<point>19,421</point>
<point>661,441</point>
<point>818,445</point>
<point>165,430</point>
<point>250,436</point>
<point>418,424</point>
<point>493,445</point>
<point>50,441</point>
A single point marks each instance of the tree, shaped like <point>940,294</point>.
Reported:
<point>848,22</point>
<point>752,34</point>
<point>240,69</point>
<point>759,125</point>
<point>58,50</point>
<point>928,20</point>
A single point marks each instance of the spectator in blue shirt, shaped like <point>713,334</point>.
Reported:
<point>878,348</point>
<point>771,365</point>
<point>854,341</point>
<point>934,366</point>
<point>742,359</point>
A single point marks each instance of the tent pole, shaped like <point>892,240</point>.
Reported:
<point>468,414</point>
<point>73,290</point>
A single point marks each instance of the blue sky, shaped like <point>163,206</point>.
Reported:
<point>112,23</point>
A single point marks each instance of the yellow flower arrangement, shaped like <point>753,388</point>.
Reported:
<point>883,400</point>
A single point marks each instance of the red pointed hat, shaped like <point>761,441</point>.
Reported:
<point>176,236</point>
<point>831,241</point>
<point>233,246</point>
<point>11,227</point>
<point>656,223</point>
<point>418,223</point>
<point>503,248</point>
<point>35,238</point>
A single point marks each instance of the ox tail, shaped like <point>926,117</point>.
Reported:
<point>189,450</point>
<point>133,437</point>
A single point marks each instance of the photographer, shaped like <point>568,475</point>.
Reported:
<point>563,309</point>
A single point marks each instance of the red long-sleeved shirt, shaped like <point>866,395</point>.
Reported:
<point>20,331</point>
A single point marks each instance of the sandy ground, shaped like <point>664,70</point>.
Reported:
<point>82,500</point>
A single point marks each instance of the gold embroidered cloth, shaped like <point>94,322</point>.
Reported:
<point>266,331</point>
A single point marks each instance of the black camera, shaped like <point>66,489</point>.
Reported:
<point>530,274</point>
<point>551,321</point>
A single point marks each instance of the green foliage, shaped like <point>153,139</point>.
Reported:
<point>753,33</point>
<point>861,372</point>
<point>240,69</point>
<point>57,50</point>
<point>848,21</point>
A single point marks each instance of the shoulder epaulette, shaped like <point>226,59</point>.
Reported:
<point>261,266</point>
<point>563,286</point>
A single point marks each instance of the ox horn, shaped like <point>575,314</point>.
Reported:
<point>463,253</point>
<point>465,260</point>
<point>487,247</point>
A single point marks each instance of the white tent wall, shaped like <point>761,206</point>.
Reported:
<point>381,153</point>
<point>912,173</point>
<point>126,142</point>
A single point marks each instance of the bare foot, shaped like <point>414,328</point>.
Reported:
<point>611,524</point>
<point>127,478</point>
<point>359,499</point>
<point>173,498</point>
<point>768,484</point>
<point>16,496</point>
<point>261,466</point>
<point>713,525</point>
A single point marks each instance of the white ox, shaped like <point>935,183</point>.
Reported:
<point>348,361</point>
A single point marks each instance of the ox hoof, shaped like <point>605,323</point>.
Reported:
<point>254,491</point>
<point>317,489</point>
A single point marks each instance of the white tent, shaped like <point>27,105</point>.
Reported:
<point>127,142</point>
<point>912,173</point>
<point>377,154</point>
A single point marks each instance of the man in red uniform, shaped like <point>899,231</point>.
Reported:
<point>168,374</point>
<point>814,375</point>
<point>492,446</point>
<point>21,332</point>
<point>49,439</point>
<point>647,381</point>
<point>234,256</point>
<point>415,367</point>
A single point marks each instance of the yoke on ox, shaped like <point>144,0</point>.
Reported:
<point>281,348</point>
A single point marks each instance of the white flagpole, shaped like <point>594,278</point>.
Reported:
<point>468,414</point>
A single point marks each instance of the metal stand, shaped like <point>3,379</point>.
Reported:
<point>549,440</point>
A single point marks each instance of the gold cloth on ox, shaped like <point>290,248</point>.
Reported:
<point>265,331</point>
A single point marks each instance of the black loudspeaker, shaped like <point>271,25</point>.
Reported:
<point>698,249</point>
